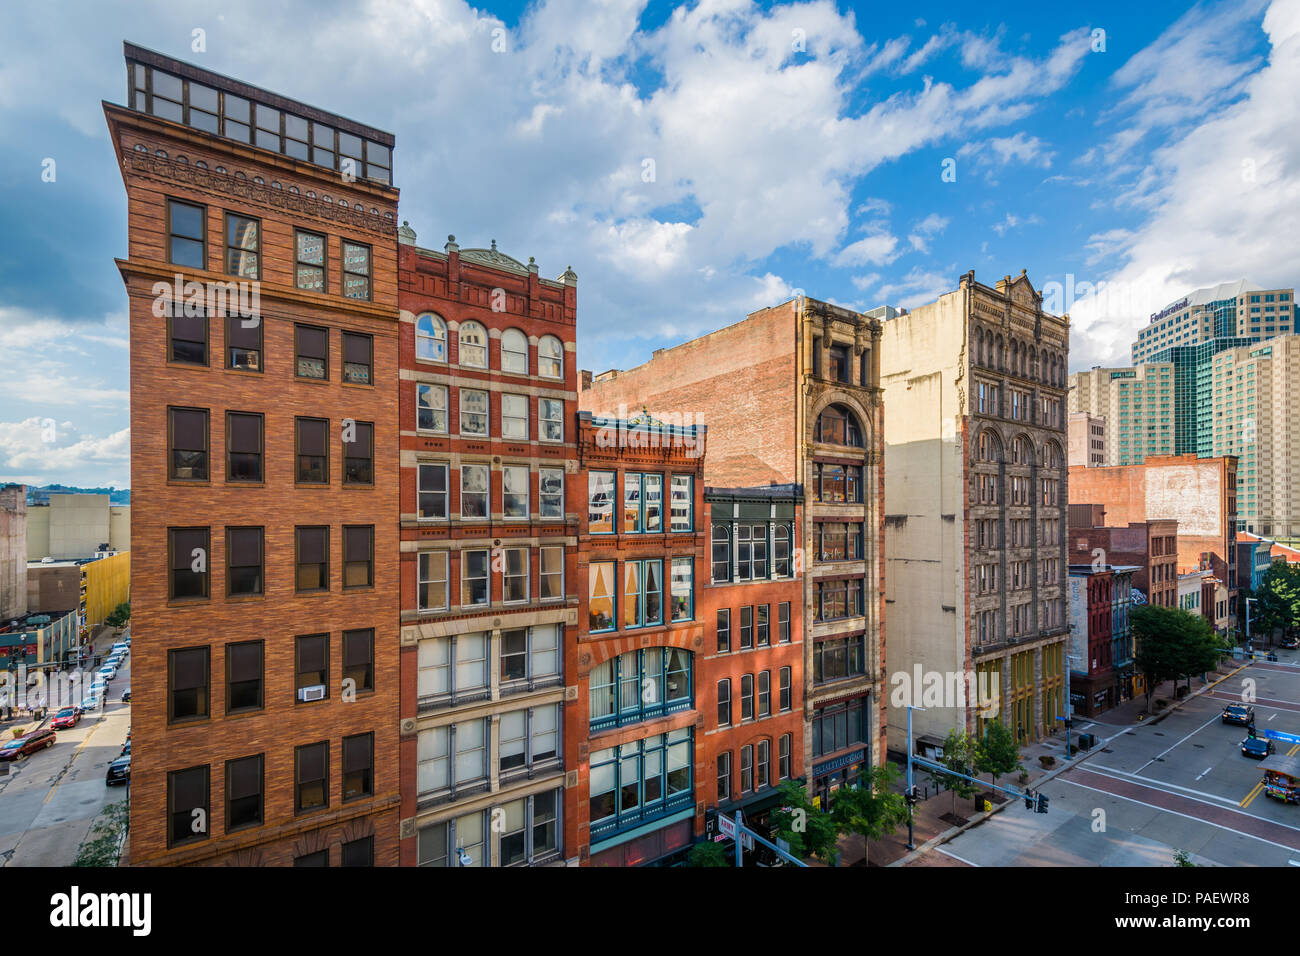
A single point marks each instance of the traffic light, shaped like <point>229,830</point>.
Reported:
<point>1042,804</point>
<point>912,796</point>
<point>1029,800</point>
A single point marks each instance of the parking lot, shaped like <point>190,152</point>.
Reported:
<point>49,800</point>
<point>1148,791</point>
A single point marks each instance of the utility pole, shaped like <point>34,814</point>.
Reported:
<point>910,796</point>
<point>1069,704</point>
<point>1249,602</point>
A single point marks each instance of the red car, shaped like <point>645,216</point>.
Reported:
<point>67,717</point>
<point>22,747</point>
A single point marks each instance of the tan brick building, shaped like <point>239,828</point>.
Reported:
<point>975,492</point>
<point>264,473</point>
<point>792,395</point>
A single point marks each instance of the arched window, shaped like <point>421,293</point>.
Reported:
<point>1051,455</point>
<point>550,357</point>
<point>431,338</point>
<point>514,352</point>
<point>1022,452</point>
<point>990,446</point>
<point>837,426</point>
<point>473,345</point>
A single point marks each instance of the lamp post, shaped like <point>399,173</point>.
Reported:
<point>1069,704</point>
<point>911,796</point>
<point>1249,602</point>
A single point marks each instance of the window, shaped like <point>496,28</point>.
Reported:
<point>783,621</point>
<point>683,589</point>
<point>188,336</point>
<point>631,503</point>
<point>724,702</point>
<point>243,246</point>
<point>746,768</point>
<point>529,738</point>
<point>243,446</point>
<point>530,653</point>
<point>189,562</point>
<point>360,852</point>
<point>187,806</point>
<point>681,503</point>
<point>721,553</point>
<point>244,343</point>
<point>747,697</point>
<point>441,843</point>
<point>357,358</point>
<point>724,630</point>
<point>836,425</point>
<point>188,428</point>
<point>358,768</point>
<point>243,561</point>
<point>783,702</point>
<point>837,658</point>
<point>638,685</point>
<point>452,756</point>
<point>765,694</point>
<point>431,493</point>
<point>783,758</point>
<point>358,453</point>
<point>551,572</point>
<point>473,412</point>
<point>515,576</point>
<point>312,559</point>
<point>311,665</point>
<point>187,683</point>
<point>186,234</point>
<point>643,593</point>
<point>839,362</point>
<point>474,586</point>
<point>724,776</point>
<point>514,417</point>
<point>312,350</point>
<point>653,494</point>
<point>550,486</point>
<point>243,792</point>
<point>474,491</point>
<point>762,759</point>
<point>530,828</point>
<point>243,676</point>
<point>550,419</point>
<point>432,583</point>
<point>640,780</point>
<point>839,598</point>
<point>781,551</point>
<point>514,481</point>
<point>746,628</point>
<point>313,450</point>
<point>550,357</point>
<point>431,408</point>
<point>309,261</point>
<point>838,727</point>
<point>600,502</point>
<point>838,542</point>
<point>514,352</point>
<point>311,777</point>
<point>356,270</point>
<point>473,345</point>
<point>454,667</point>
<point>839,483</point>
<point>431,338</point>
<point>358,556</point>
<point>600,604</point>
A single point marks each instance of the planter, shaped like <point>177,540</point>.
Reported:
<point>1047,761</point>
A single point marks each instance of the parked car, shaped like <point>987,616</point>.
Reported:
<point>119,771</point>
<point>1290,644</point>
<point>121,647</point>
<point>67,717</point>
<point>1257,747</point>
<point>91,702</point>
<point>1239,714</point>
<point>126,749</point>
<point>25,746</point>
<point>126,694</point>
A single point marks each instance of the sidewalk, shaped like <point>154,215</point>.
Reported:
<point>99,647</point>
<point>933,816</point>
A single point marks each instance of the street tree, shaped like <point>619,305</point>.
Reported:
<point>959,757</point>
<point>807,828</point>
<point>1278,600</point>
<point>1172,644</point>
<point>997,752</point>
<point>871,809</point>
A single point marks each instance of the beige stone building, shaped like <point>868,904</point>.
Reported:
<point>1138,404</point>
<point>77,526</point>
<point>976,510</point>
<point>1087,440</point>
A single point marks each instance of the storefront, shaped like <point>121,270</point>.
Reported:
<point>830,775</point>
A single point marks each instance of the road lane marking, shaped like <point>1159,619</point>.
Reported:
<point>1259,787</point>
<point>1192,734</point>
<point>1204,772</point>
<point>966,861</point>
<point>1160,784</point>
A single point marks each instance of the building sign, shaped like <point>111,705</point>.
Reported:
<point>830,766</point>
<point>1157,316</point>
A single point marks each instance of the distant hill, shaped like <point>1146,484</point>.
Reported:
<point>39,495</point>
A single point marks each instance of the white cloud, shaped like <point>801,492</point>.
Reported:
<point>925,230</point>
<point>43,451</point>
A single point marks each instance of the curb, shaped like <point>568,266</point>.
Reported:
<point>953,832</point>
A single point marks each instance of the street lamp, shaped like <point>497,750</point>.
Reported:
<point>1249,602</point>
<point>911,787</point>
<point>1069,703</point>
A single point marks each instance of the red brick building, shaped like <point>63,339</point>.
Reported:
<point>1152,546</point>
<point>750,677</point>
<point>1092,669</point>
<point>487,554</point>
<point>634,718</point>
<point>261,278</point>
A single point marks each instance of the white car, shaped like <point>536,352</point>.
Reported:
<point>91,702</point>
<point>120,649</point>
<point>106,673</point>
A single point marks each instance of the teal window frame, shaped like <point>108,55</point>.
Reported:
<point>672,591</point>
<point>627,684</point>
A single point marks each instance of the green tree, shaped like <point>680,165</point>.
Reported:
<point>959,757</point>
<point>1278,601</point>
<point>1182,859</point>
<point>104,842</point>
<point>708,853</point>
<point>997,752</point>
<point>1172,644</point>
<point>806,828</point>
<point>872,808</point>
<point>119,615</point>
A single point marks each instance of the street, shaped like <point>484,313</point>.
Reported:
<point>1146,792</point>
<point>49,801</point>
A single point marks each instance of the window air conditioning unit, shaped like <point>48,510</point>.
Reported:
<point>314,692</point>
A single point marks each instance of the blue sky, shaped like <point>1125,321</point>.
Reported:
<point>793,146</point>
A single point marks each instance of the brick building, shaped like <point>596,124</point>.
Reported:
<point>1152,546</point>
<point>487,397</point>
<point>1087,440</point>
<point>264,472</point>
<point>975,489</point>
<point>792,395</point>
<point>1102,670</point>
<point>750,677</point>
<point>636,780</point>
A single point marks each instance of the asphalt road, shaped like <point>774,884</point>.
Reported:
<point>1148,791</point>
<point>49,801</point>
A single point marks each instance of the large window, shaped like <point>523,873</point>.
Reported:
<point>311,777</point>
<point>458,842</point>
<point>474,583</point>
<point>529,655</point>
<point>431,491</point>
<point>313,450</point>
<point>189,563</point>
<point>683,589</point>
<point>838,727</point>
<point>839,483</point>
<point>186,234</point>
<point>431,338</point>
<point>836,425</point>
<point>187,806</point>
<point>473,345</point>
<point>455,668</point>
<point>187,683</point>
<point>640,781</point>
<point>432,582</point>
<point>550,357</point>
<point>682,503</point>
<point>529,738</point>
<point>601,601</point>
<point>514,491</point>
<point>474,491</point>
<point>530,829</point>
<point>639,685</point>
<point>188,431</point>
<point>243,446</point>
<point>838,541</point>
<point>359,453</point>
<point>514,352</point>
<point>600,502</point>
<point>312,559</point>
<point>452,757</point>
<point>751,551</point>
<point>838,657</point>
<point>550,492</point>
<point>643,593</point>
<point>839,598</point>
<point>243,561</point>
<point>243,246</point>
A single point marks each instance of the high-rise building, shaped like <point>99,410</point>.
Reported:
<point>261,275</point>
<point>791,395</point>
<point>489,586</point>
<point>1239,309</point>
<point>1136,408</point>
<point>975,500</point>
